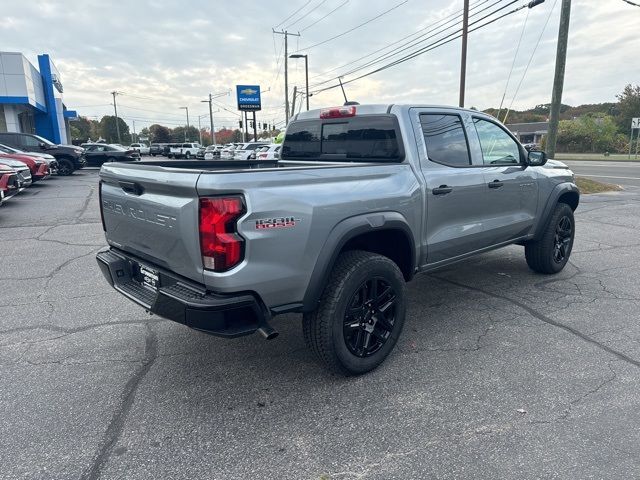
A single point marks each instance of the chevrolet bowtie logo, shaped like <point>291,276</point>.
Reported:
<point>248,91</point>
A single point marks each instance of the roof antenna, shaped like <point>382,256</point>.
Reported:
<point>344,94</point>
<point>346,101</point>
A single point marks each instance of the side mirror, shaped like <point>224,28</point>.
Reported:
<point>43,146</point>
<point>536,158</point>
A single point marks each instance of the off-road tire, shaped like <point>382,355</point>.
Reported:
<point>324,328</point>
<point>541,254</point>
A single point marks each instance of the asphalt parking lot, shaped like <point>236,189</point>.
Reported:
<point>500,372</point>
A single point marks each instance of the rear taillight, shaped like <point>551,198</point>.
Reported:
<point>220,245</point>
<point>338,112</point>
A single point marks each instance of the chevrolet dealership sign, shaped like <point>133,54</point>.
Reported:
<point>248,98</point>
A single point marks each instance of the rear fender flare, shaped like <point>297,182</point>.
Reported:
<point>338,238</point>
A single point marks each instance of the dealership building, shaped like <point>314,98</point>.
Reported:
<point>31,98</point>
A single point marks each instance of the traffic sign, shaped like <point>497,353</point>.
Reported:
<point>248,98</point>
<point>635,122</point>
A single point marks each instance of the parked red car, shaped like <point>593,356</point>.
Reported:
<point>8,182</point>
<point>39,168</point>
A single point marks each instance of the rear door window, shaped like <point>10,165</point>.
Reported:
<point>446,139</point>
<point>367,138</point>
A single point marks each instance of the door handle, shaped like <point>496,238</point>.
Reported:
<point>442,190</point>
<point>496,184</point>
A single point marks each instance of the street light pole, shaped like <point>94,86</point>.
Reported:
<point>306,73</point>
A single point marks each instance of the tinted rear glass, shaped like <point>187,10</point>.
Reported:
<point>365,138</point>
<point>446,139</point>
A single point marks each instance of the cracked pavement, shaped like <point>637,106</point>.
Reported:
<point>499,373</point>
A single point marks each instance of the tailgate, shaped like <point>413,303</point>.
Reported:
<point>152,212</point>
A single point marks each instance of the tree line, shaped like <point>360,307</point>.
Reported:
<point>597,128</point>
<point>85,130</point>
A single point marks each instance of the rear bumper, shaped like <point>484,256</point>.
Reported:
<point>182,300</point>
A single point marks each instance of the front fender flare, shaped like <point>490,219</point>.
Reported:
<point>556,193</point>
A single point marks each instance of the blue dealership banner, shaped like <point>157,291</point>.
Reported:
<point>248,98</point>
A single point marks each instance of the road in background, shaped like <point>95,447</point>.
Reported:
<point>626,174</point>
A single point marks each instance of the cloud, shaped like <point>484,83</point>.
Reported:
<point>163,55</point>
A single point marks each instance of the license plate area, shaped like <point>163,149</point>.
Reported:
<point>147,276</point>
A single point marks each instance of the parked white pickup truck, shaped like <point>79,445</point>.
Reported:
<point>184,150</point>
<point>141,148</point>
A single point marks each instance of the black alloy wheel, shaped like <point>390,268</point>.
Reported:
<point>550,252</point>
<point>360,314</point>
<point>65,167</point>
<point>370,317</point>
<point>562,239</point>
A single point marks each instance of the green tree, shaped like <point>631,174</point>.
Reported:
<point>80,129</point>
<point>237,136</point>
<point>159,134</point>
<point>589,133</point>
<point>109,132</point>
<point>181,134</point>
<point>628,107</point>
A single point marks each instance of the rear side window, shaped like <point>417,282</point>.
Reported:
<point>367,138</point>
<point>446,140</point>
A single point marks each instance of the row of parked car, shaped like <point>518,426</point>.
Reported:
<point>230,151</point>
<point>20,169</point>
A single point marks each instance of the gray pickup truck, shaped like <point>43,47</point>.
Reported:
<point>362,199</point>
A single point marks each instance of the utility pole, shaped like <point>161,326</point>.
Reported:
<point>134,130</point>
<point>210,102</point>
<point>213,132</point>
<point>286,70</point>
<point>185,132</point>
<point>463,61</point>
<point>558,80</point>
<point>115,109</point>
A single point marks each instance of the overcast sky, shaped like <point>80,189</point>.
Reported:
<point>164,54</point>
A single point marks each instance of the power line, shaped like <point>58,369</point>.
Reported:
<point>320,19</point>
<point>416,42</point>
<point>438,43</point>
<point>529,62</point>
<point>513,64</point>
<point>292,14</point>
<point>446,19</point>
<point>631,3</point>
<point>354,28</point>
<point>305,15</point>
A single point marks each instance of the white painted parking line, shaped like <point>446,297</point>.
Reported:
<point>606,176</point>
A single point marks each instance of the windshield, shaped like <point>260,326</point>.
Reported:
<point>7,149</point>
<point>364,138</point>
<point>45,141</point>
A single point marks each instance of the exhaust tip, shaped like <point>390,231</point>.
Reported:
<point>268,332</point>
